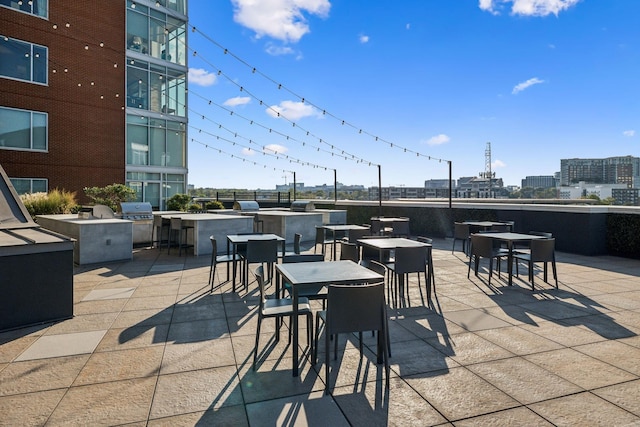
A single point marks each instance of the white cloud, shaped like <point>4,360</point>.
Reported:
<point>528,7</point>
<point>524,85</point>
<point>238,100</point>
<point>292,110</point>
<point>249,152</point>
<point>438,139</point>
<point>408,26</point>
<point>279,19</point>
<point>363,39</point>
<point>275,50</point>
<point>629,133</point>
<point>498,164</point>
<point>275,148</point>
<point>201,77</point>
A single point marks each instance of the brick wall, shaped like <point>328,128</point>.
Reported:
<point>85,102</point>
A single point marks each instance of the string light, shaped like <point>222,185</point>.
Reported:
<point>280,86</point>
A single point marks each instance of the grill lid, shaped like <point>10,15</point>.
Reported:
<point>136,210</point>
<point>246,206</point>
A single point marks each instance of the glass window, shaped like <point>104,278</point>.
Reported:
<point>23,130</point>
<point>157,133</point>
<point>156,88</point>
<point>153,32</point>
<point>154,142</point>
<point>23,61</point>
<point>29,185</point>
<point>34,7</point>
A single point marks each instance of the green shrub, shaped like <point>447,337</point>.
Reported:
<point>51,203</point>
<point>213,205</point>
<point>194,207</point>
<point>179,202</point>
<point>111,195</point>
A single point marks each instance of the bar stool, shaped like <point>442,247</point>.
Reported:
<point>159,226</point>
<point>177,227</point>
<point>258,224</point>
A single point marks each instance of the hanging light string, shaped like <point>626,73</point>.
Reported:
<point>302,99</point>
<point>99,50</point>
<point>272,131</point>
<point>233,156</point>
<point>264,149</point>
<point>276,112</point>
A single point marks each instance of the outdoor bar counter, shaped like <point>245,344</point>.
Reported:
<point>210,224</point>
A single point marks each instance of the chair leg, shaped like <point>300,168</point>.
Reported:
<point>255,350</point>
<point>327,358</point>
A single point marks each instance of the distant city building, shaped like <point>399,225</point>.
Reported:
<point>439,183</point>
<point>325,188</point>
<point>625,196</point>
<point>611,170</point>
<point>585,189</point>
<point>476,187</point>
<point>391,193</point>
<point>541,181</point>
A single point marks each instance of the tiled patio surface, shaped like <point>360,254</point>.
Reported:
<point>150,345</point>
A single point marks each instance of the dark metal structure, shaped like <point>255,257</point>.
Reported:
<point>36,266</point>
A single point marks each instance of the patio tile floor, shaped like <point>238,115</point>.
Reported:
<point>151,346</point>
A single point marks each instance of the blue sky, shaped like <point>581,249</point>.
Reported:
<point>416,82</point>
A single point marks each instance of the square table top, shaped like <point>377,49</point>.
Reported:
<point>392,243</point>
<point>244,238</point>
<point>387,219</point>
<point>327,272</point>
<point>344,227</point>
<point>512,237</point>
<point>483,223</point>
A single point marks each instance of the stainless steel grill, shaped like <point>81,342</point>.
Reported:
<point>302,206</point>
<point>136,210</point>
<point>246,206</point>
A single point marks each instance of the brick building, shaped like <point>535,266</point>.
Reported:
<point>90,95</point>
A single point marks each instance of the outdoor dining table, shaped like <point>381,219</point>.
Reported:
<point>233,240</point>
<point>312,274</point>
<point>511,238</point>
<point>483,225</point>
<point>390,243</point>
<point>334,228</point>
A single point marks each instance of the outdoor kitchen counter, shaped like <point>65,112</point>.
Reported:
<point>97,240</point>
<point>210,224</point>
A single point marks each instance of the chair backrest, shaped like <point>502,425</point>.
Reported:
<point>411,260</point>
<point>543,250</point>
<point>481,245</point>
<point>259,273</point>
<point>157,221</point>
<point>375,266</point>
<point>460,230</point>
<point>262,250</point>
<point>175,223</point>
<point>214,245</point>
<point>376,226</point>
<point>500,228</point>
<point>356,234</point>
<point>302,258</point>
<point>296,242</point>
<point>400,228</point>
<point>422,239</point>
<point>320,233</point>
<point>349,251</point>
<point>354,308</point>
